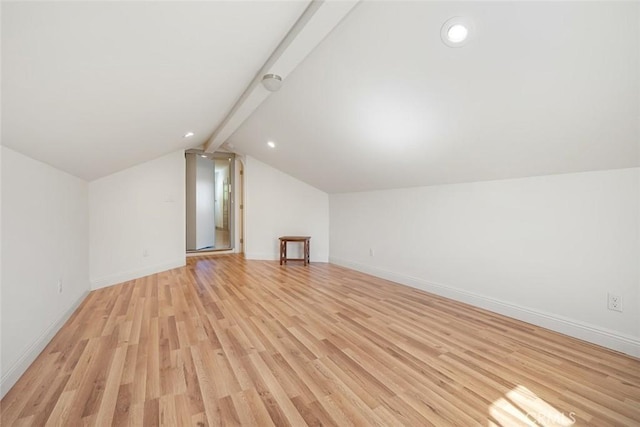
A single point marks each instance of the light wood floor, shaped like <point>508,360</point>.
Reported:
<point>228,341</point>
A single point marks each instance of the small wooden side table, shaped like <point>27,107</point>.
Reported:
<point>283,248</point>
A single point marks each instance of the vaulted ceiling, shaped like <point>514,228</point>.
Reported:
<point>540,88</point>
<point>95,87</point>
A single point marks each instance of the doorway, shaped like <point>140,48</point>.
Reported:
<point>209,201</point>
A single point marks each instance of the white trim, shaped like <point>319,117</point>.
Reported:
<point>574,328</point>
<point>114,279</point>
<point>14,373</point>
<point>210,253</point>
<point>262,256</point>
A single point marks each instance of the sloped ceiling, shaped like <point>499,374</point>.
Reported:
<point>542,88</point>
<point>94,87</point>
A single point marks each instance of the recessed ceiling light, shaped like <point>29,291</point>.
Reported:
<point>188,134</point>
<point>457,31</point>
<point>271,144</point>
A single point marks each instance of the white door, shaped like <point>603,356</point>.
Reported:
<point>205,196</point>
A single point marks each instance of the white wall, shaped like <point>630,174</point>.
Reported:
<point>45,239</point>
<point>544,249</point>
<point>277,205</point>
<point>136,211</point>
<point>2,386</point>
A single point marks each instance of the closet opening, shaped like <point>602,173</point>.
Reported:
<point>210,207</point>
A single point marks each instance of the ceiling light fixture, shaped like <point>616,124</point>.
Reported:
<point>188,134</point>
<point>272,82</point>
<point>457,31</point>
<point>271,144</point>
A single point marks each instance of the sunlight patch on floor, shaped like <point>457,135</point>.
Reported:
<point>521,406</point>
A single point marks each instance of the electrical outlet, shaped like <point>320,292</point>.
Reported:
<point>614,302</point>
<point>372,252</point>
<point>145,253</point>
<point>59,286</point>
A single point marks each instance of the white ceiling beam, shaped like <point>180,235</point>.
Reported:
<point>318,19</point>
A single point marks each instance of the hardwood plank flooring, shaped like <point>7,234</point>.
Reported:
<point>224,341</point>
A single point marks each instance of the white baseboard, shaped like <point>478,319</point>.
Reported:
<point>591,333</point>
<point>266,256</point>
<point>262,256</point>
<point>211,253</point>
<point>14,373</point>
<point>114,279</point>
